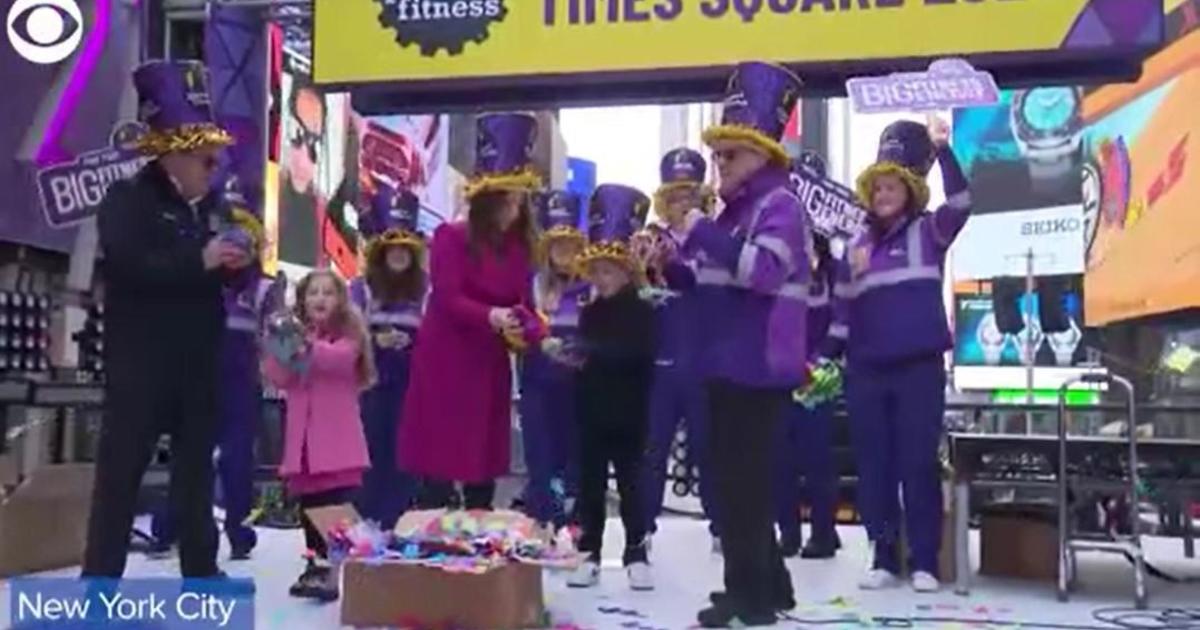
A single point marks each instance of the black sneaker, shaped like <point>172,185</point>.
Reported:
<point>309,582</point>
<point>789,546</point>
<point>240,553</point>
<point>818,549</point>
<point>326,590</point>
<point>722,617</point>
<point>782,603</point>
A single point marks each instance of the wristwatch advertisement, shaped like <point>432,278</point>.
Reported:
<point>1047,125</point>
<point>1029,340</point>
<point>1064,344</point>
<point>991,340</point>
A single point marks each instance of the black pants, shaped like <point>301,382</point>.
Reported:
<point>314,539</point>
<point>743,426</point>
<point>622,444</point>
<point>140,405</point>
<point>436,495</point>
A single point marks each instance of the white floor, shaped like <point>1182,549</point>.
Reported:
<point>686,571</point>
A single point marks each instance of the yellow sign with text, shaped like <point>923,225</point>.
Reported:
<point>372,41</point>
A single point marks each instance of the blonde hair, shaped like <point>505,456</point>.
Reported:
<point>345,321</point>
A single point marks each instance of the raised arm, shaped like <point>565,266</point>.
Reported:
<point>948,220</point>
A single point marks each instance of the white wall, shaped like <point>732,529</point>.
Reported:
<point>854,140</point>
<point>624,143</point>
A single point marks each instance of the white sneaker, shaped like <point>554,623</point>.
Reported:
<point>641,578</point>
<point>716,546</point>
<point>878,579</point>
<point>586,576</point>
<point>923,582</point>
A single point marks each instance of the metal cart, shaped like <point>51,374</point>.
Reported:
<point>1070,542</point>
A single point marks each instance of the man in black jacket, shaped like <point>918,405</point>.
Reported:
<point>163,267</point>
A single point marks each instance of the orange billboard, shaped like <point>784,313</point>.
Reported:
<point>1142,190</point>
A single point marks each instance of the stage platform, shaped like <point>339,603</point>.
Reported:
<point>686,571</point>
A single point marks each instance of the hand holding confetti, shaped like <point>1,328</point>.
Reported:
<point>824,384</point>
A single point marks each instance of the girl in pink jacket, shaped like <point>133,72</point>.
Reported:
<point>325,452</point>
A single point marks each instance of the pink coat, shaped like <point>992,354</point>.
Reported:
<point>324,432</point>
<point>457,418</point>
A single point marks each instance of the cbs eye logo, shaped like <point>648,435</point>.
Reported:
<point>45,31</point>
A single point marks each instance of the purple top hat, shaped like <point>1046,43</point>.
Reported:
<point>812,161</point>
<point>504,154</point>
<point>616,213</point>
<point>905,151</point>
<point>558,211</point>
<point>683,166</point>
<point>759,102</point>
<point>390,209</point>
<point>907,143</point>
<point>173,102</point>
<point>245,231</point>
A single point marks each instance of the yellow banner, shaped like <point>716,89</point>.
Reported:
<point>365,41</point>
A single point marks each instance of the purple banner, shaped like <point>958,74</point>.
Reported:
<point>235,51</point>
<point>72,192</point>
<point>948,84</point>
<point>833,210</point>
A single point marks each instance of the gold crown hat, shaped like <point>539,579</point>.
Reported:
<point>759,101</point>
<point>174,104</point>
<point>615,214</point>
<point>247,230</point>
<point>559,213</point>
<point>392,221</point>
<point>907,152</point>
<point>504,154</point>
<point>683,168</point>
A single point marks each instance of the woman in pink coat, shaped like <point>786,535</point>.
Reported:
<point>324,451</point>
<point>457,418</point>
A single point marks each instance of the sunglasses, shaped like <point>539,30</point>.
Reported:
<point>309,141</point>
<point>726,155</point>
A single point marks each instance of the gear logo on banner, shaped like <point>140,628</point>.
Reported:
<point>45,31</point>
<point>435,25</point>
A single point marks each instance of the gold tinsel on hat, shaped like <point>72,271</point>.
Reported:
<point>523,180</point>
<point>183,138</point>
<point>745,134</point>
<point>395,237</point>
<point>250,223</point>
<point>615,251</point>
<point>558,232</point>
<point>916,184</point>
<point>708,198</point>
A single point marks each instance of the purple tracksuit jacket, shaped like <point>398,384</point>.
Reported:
<point>752,274</point>
<point>888,305</point>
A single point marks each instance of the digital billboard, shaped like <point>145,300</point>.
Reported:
<point>1142,189</point>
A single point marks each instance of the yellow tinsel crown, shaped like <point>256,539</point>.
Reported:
<point>183,138</point>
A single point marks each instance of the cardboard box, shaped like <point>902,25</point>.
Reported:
<point>383,594</point>
<point>43,523</point>
<point>388,593</point>
<point>1019,542</point>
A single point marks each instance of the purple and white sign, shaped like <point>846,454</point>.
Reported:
<point>72,192</point>
<point>948,84</point>
<point>833,210</point>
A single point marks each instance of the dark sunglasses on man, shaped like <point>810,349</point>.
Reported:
<point>303,138</point>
